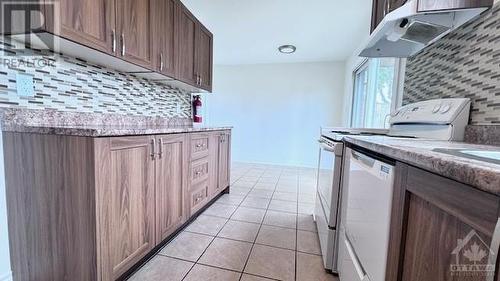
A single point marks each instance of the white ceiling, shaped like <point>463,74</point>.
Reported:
<point>249,32</point>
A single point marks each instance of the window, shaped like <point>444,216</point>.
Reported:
<point>375,87</point>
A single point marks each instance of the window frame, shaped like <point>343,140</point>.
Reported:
<point>398,85</point>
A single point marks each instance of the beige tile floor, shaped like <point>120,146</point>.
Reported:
<point>263,230</point>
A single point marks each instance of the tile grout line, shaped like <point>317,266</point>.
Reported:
<point>228,219</point>
<point>215,236</point>
<point>260,227</point>
<point>261,224</point>
<point>297,231</point>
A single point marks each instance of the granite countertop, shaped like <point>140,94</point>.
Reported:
<point>480,174</point>
<point>87,124</point>
<point>107,130</point>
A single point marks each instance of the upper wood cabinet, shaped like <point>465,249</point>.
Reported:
<point>195,51</point>
<point>163,40</point>
<point>171,184</point>
<point>134,30</point>
<point>149,36</point>
<point>204,63</point>
<point>378,13</point>
<point>186,42</point>
<point>435,221</point>
<point>380,8</point>
<point>91,23</point>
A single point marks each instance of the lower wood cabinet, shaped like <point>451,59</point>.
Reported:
<point>125,186</point>
<point>210,166</point>
<point>171,184</point>
<point>224,160</point>
<point>83,208</point>
<point>199,196</point>
<point>440,229</point>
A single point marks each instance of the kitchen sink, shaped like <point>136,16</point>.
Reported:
<point>491,156</point>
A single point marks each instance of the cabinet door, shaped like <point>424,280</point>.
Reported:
<point>126,203</point>
<point>394,4</point>
<point>224,160</point>
<point>446,229</point>
<point>379,10</point>
<point>186,51</point>
<point>134,25</point>
<point>171,184</point>
<point>164,36</point>
<point>90,23</point>
<point>204,46</point>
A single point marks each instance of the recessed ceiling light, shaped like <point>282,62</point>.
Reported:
<point>287,49</point>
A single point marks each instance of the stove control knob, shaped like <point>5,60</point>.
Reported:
<point>445,108</point>
<point>436,108</point>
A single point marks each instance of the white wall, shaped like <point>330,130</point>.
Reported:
<point>5,273</point>
<point>277,109</point>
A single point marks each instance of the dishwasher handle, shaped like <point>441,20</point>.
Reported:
<point>368,161</point>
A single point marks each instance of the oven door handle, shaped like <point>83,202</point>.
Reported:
<point>337,148</point>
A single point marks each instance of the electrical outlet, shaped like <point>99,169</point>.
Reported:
<point>24,85</point>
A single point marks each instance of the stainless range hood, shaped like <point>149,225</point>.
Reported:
<point>405,31</point>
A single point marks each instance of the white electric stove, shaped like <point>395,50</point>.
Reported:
<point>443,119</point>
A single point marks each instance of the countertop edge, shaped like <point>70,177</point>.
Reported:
<point>464,171</point>
<point>108,131</point>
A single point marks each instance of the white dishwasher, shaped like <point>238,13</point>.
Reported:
<point>367,201</point>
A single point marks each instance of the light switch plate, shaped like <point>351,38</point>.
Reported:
<point>24,85</point>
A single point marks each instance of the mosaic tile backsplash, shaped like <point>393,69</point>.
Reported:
<point>465,63</point>
<point>68,84</point>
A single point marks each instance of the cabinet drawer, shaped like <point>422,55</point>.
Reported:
<point>199,146</point>
<point>199,171</point>
<point>198,197</point>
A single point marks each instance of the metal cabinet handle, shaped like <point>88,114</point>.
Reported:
<point>198,172</point>
<point>198,145</point>
<point>113,38</point>
<point>153,144</point>
<point>123,44</point>
<point>161,62</point>
<point>160,153</point>
<point>494,246</point>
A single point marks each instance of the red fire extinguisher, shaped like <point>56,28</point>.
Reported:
<point>197,109</point>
